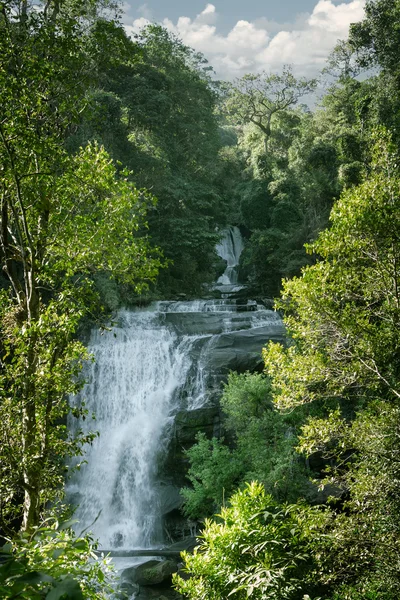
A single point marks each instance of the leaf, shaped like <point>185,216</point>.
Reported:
<point>35,577</point>
<point>68,589</point>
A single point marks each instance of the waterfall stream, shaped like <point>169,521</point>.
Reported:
<point>152,364</point>
<point>230,248</point>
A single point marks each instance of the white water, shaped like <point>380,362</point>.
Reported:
<point>143,369</point>
<point>131,388</point>
<point>230,249</point>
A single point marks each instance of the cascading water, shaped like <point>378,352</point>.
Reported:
<point>132,388</point>
<point>230,248</point>
<point>154,363</point>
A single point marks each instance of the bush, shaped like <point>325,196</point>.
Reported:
<point>51,563</point>
<point>260,549</point>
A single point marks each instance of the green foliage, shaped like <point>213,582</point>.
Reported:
<point>258,98</point>
<point>265,438</point>
<point>42,364</point>
<point>52,564</point>
<point>264,442</point>
<point>257,549</point>
<point>287,192</point>
<point>63,218</point>
<point>214,473</point>
<point>255,205</point>
<point>357,554</point>
<point>342,315</point>
<point>245,394</point>
<point>343,312</point>
<point>153,109</point>
<point>377,38</point>
<point>177,95</point>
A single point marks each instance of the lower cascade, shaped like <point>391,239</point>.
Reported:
<point>154,364</point>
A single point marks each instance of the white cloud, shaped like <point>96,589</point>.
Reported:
<point>264,44</point>
<point>208,16</point>
<point>145,12</point>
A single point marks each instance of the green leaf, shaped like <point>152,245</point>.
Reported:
<point>67,589</point>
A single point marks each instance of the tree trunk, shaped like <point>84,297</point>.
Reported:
<point>31,466</point>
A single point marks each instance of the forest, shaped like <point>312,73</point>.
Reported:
<point>121,161</point>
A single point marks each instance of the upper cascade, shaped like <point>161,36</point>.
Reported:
<point>229,249</point>
<point>222,305</point>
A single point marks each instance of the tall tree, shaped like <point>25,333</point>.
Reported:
<point>258,98</point>
<point>62,218</point>
<point>153,108</point>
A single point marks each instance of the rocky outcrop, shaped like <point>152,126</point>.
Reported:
<point>150,580</point>
<point>241,350</point>
<point>169,498</point>
<point>188,544</point>
<point>151,572</point>
<point>186,426</point>
<point>188,423</point>
<point>174,468</point>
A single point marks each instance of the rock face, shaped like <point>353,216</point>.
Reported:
<point>150,580</point>
<point>189,422</point>
<point>174,468</point>
<point>241,350</point>
<point>238,350</point>
<point>127,589</point>
<point>151,572</point>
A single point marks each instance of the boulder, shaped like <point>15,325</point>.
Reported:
<point>126,590</point>
<point>157,593</point>
<point>236,317</point>
<point>151,572</point>
<point>170,498</point>
<point>188,543</point>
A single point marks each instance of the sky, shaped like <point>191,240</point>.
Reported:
<point>249,36</point>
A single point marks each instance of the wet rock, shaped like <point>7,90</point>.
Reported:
<point>169,497</point>
<point>185,428</point>
<point>151,572</point>
<point>126,590</point>
<point>241,350</point>
<point>157,593</point>
<point>189,423</point>
<point>192,323</point>
<point>188,543</point>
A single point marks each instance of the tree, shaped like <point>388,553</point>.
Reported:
<point>343,312</point>
<point>62,218</point>
<point>153,108</point>
<point>343,318</point>
<point>376,39</point>
<point>215,471</point>
<point>50,562</point>
<point>258,98</point>
<point>260,446</point>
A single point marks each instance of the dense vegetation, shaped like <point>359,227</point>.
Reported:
<point>120,160</point>
<point>334,390</point>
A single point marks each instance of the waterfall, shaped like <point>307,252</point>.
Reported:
<point>132,387</point>
<point>230,249</point>
<point>152,364</point>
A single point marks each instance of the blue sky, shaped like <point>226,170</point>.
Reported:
<point>241,36</point>
<point>231,11</point>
